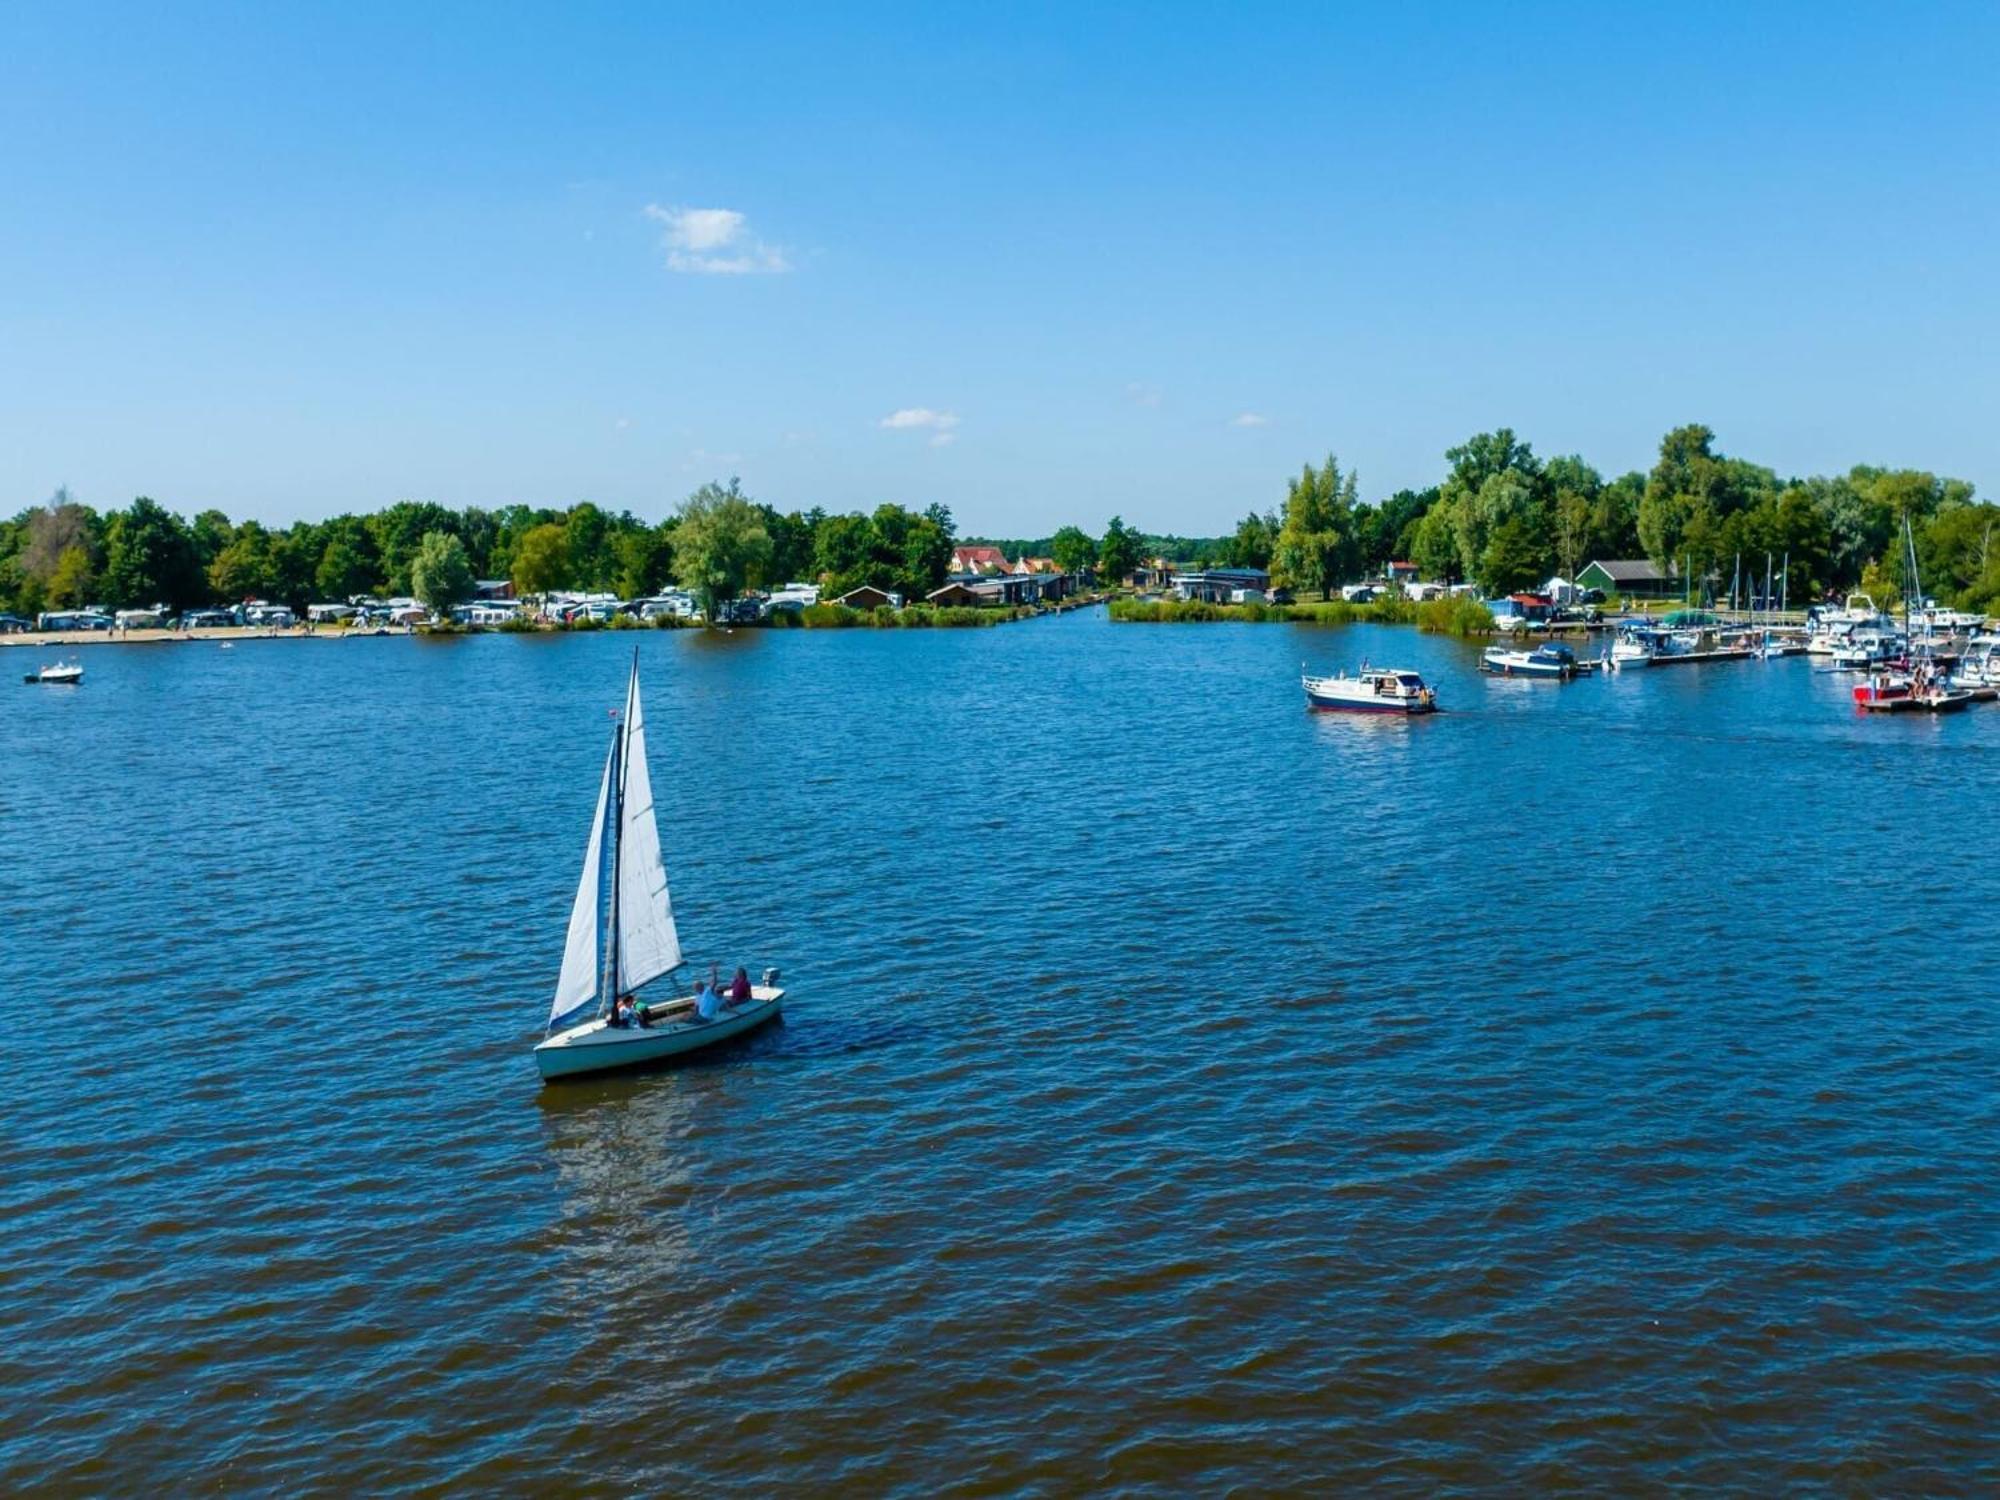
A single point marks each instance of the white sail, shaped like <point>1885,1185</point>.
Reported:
<point>577,985</point>
<point>648,946</point>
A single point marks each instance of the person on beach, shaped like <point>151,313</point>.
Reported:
<point>739,987</point>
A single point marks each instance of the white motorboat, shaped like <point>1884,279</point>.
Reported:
<point>622,936</point>
<point>1547,660</point>
<point>62,674</point>
<point>1863,649</point>
<point>1635,647</point>
<point>1372,690</point>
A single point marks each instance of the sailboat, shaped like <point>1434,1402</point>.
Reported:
<point>622,935</point>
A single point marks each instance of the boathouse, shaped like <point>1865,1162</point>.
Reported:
<point>870,597</point>
<point>954,595</point>
<point>1635,578</point>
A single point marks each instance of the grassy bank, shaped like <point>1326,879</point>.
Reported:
<point>1462,617</point>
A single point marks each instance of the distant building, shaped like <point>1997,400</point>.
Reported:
<point>1637,578</point>
<point>1222,585</point>
<point>870,597</point>
<point>493,588</point>
<point>1521,610</point>
<point>982,560</point>
<point>1402,572</point>
<point>955,594</point>
<point>1037,565</point>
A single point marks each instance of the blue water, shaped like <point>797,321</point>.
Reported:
<point>1590,1087</point>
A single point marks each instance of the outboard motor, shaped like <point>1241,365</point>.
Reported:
<point>770,979</point>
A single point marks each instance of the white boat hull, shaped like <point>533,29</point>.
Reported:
<point>596,1046</point>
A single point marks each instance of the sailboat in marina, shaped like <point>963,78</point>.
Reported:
<point>622,936</point>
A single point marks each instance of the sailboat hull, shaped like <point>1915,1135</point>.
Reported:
<point>598,1047</point>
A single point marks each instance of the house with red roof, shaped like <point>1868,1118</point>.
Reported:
<point>979,560</point>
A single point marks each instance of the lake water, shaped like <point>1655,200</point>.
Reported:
<point>1591,1087</point>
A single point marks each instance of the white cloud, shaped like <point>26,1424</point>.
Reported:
<point>943,439</point>
<point>1249,419</point>
<point>714,242</point>
<point>921,417</point>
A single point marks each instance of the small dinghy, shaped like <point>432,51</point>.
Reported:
<point>67,673</point>
<point>622,937</point>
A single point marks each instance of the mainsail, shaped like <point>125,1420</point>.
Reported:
<point>577,985</point>
<point>648,946</point>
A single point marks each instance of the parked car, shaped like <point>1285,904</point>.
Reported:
<point>14,624</point>
<point>1591,596</point>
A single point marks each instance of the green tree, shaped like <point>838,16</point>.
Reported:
<point>592,563</point>
<point>720,545</point>
<point>149,558</point>
<point>210,532</point>
<point>1073,550</point>
<point>244,569</point>
<point>1255,540</point>
<point>399,531</point>
<point>541,559</point>
<point>73,579</point>
<point>441,574</point>
<point>791,536</point>
<point>1434,546</point>
<point>1118,553</point>
<point>844,553</point>
<point>1513,557</point>
<point>645,560</point>
<point>347,565</point>
<point>1315,546</point>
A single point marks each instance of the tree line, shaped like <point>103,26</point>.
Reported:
<point>718,542</point>
<point>1504,519</point>
<point>1501,517</point>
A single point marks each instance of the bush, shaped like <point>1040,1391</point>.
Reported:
<point>584,622</point>
<point>1457,615</point>
<point>518,624</point>
<point>825,616</point>
<point>623,621</point>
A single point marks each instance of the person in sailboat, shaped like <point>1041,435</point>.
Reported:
<point>709,1001</point>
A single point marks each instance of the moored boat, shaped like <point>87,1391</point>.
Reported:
<point>1547,660</point>
<point>622,937</point>
<point>1372,690</point>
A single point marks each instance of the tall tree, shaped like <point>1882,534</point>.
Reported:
<point>441,573</point>
<point>244,569</point>
<point>149,558</point>
<point>1315,545</point>
<point>1073,550</point>
<point>541,559</point>
<point>1118,552</point>
<point>720,545</point>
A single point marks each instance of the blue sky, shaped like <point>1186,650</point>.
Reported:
<point>1143,260</point>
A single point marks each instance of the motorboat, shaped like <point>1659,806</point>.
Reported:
<point>622,937</point>
<point>1635,647</point>
<point>62,674</point>
<point>1862,650</point>
<point>1547,660</point>
<point>1372,690</point>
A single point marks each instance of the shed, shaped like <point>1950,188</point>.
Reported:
<point>1637,577</point>
<point>954,594</point>
<point>870,597</point>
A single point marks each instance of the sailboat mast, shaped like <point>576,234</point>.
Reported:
<point>617,852</point>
